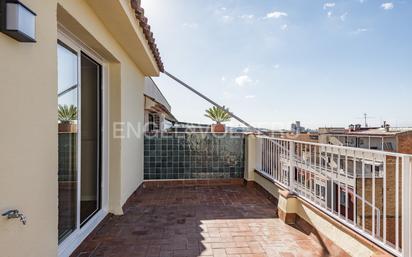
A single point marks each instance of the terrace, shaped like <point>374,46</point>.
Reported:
<point>250,195</point>
<point>222,220</point>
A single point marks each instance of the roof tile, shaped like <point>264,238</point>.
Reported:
<point>143,22</point>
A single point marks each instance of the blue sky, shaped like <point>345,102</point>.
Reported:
<point>324,63</point>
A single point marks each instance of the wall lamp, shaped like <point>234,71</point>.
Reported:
<point>17,21</point>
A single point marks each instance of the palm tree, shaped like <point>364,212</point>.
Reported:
<point>218,115</point>
<point>67,113</point>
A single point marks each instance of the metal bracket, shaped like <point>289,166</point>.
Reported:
<point>15,214</point>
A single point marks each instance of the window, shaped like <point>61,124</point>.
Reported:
<point>320,191</point>
<point>342,197</point>
<point>67,139</point>
<point>388,146</point>
<point>79,139</point>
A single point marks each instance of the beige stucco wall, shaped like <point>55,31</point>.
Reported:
<point>127,152</point>
<point>345,241</point>
<point>28,107</point>
<point>132,145</point>
<point>28,138</point>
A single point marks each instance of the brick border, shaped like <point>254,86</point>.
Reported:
<point>191,182</point>
<point>262,190</point>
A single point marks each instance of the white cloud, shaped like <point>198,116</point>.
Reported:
<point>227,94</point>
<point>247,17</point>
<point>343,16</point>
<point>387,6</point>
<point>250,96</point>
<point>329,14</point>
<point>227,18</point>
<point>360,30</point>
<point>276,66</point>
<point>328,5</point>
<point>276,15</point>
<point>243,80</point>
<point>246,70</point>
<point>284,27</point>
<point>189,25</point>
<point>223,79</point>
<point>220,11</point>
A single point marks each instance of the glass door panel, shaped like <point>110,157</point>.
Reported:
<point>67,140</point>
<point>90,139</point>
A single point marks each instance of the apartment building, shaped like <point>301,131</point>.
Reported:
<point>383,138</point>
<point>371,173</point>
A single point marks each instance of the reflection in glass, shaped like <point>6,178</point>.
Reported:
<point>67,140</point>
<point>90,134</point>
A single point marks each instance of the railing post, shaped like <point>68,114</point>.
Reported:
<point>251,154</point>
<point>292,166</point>
<point>406,206</point>
<point>258,151</point>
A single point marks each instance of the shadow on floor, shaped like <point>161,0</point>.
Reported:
<point>217,221</point>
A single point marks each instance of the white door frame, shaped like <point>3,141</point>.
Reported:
<point>76,237</point>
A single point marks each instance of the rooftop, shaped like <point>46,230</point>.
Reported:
<point>214,221</point>
<point>380,131</point>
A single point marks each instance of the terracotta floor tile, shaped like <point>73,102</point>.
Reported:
<point>214,221</point>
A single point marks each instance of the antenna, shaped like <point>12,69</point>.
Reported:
<point>365,119</point>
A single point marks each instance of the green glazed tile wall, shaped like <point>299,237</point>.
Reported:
<point>193,156</point>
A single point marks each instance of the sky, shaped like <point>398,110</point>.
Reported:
<point>272,62</point>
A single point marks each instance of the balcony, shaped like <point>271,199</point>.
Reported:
<point>229,220</point>
<point>246,195</point>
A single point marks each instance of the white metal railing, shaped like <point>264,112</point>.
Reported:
<point>367,190</point>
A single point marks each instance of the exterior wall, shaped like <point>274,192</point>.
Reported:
<point>132,144</point>
<point>28,92</point>
<point>193,156</point>
<point>404,142</point>
<point>128,103</point>
<point>365,142</point>
<point>390,200</point>
<point>28,138</point>
<point>304,137</point>
<point>346,241</point>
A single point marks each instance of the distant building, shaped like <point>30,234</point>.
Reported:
<point>157,110</point>
<point>296,128</point>
<point>304,137</point>
<point>383,138</point>
<point>189,127</point>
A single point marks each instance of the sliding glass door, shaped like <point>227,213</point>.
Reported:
<point>90,138</point>
<point>79,139</point>
<point>68,91</point>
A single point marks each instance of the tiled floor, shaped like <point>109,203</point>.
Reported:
<point>217,221</point>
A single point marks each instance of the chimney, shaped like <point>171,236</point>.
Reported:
<point>387,127</point>
<point>351,127</point>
